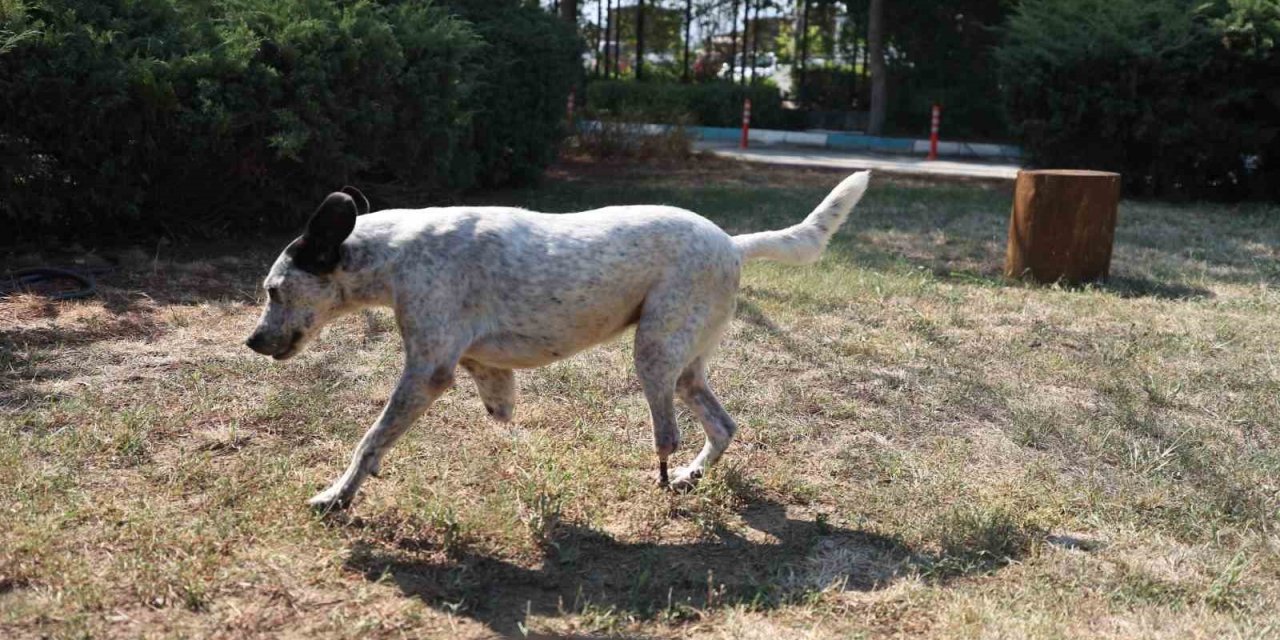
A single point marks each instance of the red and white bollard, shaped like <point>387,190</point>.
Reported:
<point>933,132</point>
<point>746,122</point>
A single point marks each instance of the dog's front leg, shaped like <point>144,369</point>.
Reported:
<point>419,386</point>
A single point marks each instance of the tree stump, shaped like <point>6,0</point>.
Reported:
<point>1062,225</point>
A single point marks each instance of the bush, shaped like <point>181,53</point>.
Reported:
<point>1153,89</point>
<point>625,138</point>
<point>529,61</point>
<point>831,88</point>
<point>712,104</point>
<point>970,110</point>
<point>147,115</point>
<point>941,53</point>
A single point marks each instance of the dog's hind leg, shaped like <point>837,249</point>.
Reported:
<point>661,353</point>
<point>497,388</point>
<point>657,368</point>
<point>418,387</point>
<point>718,424</point>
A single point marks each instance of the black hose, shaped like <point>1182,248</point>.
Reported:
<point>24,279</point>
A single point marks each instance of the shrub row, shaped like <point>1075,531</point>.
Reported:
<point>152,115</point>
<point>1180,96</point>
<point>830,88</point>
<point>719,104</point>
<point>712,104</point>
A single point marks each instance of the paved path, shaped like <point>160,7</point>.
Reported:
<point>809,157</point>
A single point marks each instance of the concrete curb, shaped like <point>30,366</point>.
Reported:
<point>835,141</point>
<point>912,164</point>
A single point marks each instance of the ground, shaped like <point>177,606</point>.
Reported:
<point>925,449</point>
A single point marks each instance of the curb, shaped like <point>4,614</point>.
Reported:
<point>834,141</point>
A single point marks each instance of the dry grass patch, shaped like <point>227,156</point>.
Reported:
<point>925,450</point>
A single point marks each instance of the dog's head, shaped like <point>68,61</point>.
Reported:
<point>303,287</point>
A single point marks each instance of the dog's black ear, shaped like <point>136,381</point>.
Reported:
<point>318,251</point>
<point>359,198</point>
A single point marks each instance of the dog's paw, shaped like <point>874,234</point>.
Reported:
<point>328,501</point>
<point>500,412</point>
<point>686,479</point>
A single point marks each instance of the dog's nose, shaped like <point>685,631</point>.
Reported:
<point>257,342</point>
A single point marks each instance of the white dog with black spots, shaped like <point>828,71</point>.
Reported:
<point>495,289</point>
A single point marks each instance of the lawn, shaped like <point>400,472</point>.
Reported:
<point>924,449</point>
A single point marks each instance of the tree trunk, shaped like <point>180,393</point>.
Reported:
<point>866,55</point>
<point>640,40</point>
<point>853,77</point>
<point>569,11</point>
<point>1062,225</point>
<point>802,53</point>
<point>688,23</point>
<point>733,40</point>
<point>746,33</point>
<point>879,83</point>
<point>600,38</point>
<point>608,38</point>
<point>617,38</point>
<point>755,41</point>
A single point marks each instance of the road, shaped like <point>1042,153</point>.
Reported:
<point>812,157</point>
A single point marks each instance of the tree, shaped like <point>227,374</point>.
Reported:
<point>746,33</point>
<point>1178,96</point>
<point>601,38</point>
<point>802,47</point>
<point>755,40</point>
<point>879,83</point>
<point>640,40</point>
<point>688,23</point>
<point>853,43</point>
<point>616,13</point>
<point>733,39</point>
<point>941,52</point>
<point>569,11</point>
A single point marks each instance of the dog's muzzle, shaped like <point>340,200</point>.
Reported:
<point>278,349</point>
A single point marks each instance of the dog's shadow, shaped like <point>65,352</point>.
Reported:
<point>590,573</point>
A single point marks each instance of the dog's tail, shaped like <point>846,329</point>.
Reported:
<point>804,242</point>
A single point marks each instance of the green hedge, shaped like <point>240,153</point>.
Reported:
<point>529,61</point>
<point>712,104</point>
<point>1180,96</point>
<point>132,116</point>
<point>829,88</point>
<point>970,110</point>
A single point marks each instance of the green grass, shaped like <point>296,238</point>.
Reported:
<point>924,448</point>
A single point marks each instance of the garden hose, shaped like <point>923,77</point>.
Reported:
<point>22,280</point>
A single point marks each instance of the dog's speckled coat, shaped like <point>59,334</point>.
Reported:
<point>495,289</point>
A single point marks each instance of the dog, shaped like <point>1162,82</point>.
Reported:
<point>494,289</point>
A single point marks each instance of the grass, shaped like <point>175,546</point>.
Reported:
<point>924,448</point>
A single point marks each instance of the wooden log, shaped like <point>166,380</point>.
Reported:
<point>1062,225</point>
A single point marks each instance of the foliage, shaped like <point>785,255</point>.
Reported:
<point>833,88</point>
<point>529,62</point>
<point>1250,27</point>
<point>941,52</point>
<point>146,115</point>
<point>938,52</point>
<point>623,137</point>
<point>1182,100</point>
<point>662,27</point>
<point>712,104</point>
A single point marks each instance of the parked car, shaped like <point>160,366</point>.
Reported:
<point>766,63</point>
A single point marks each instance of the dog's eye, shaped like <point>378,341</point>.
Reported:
<point>273,294</point>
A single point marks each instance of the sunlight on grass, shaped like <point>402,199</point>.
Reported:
<point>924,448</point>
